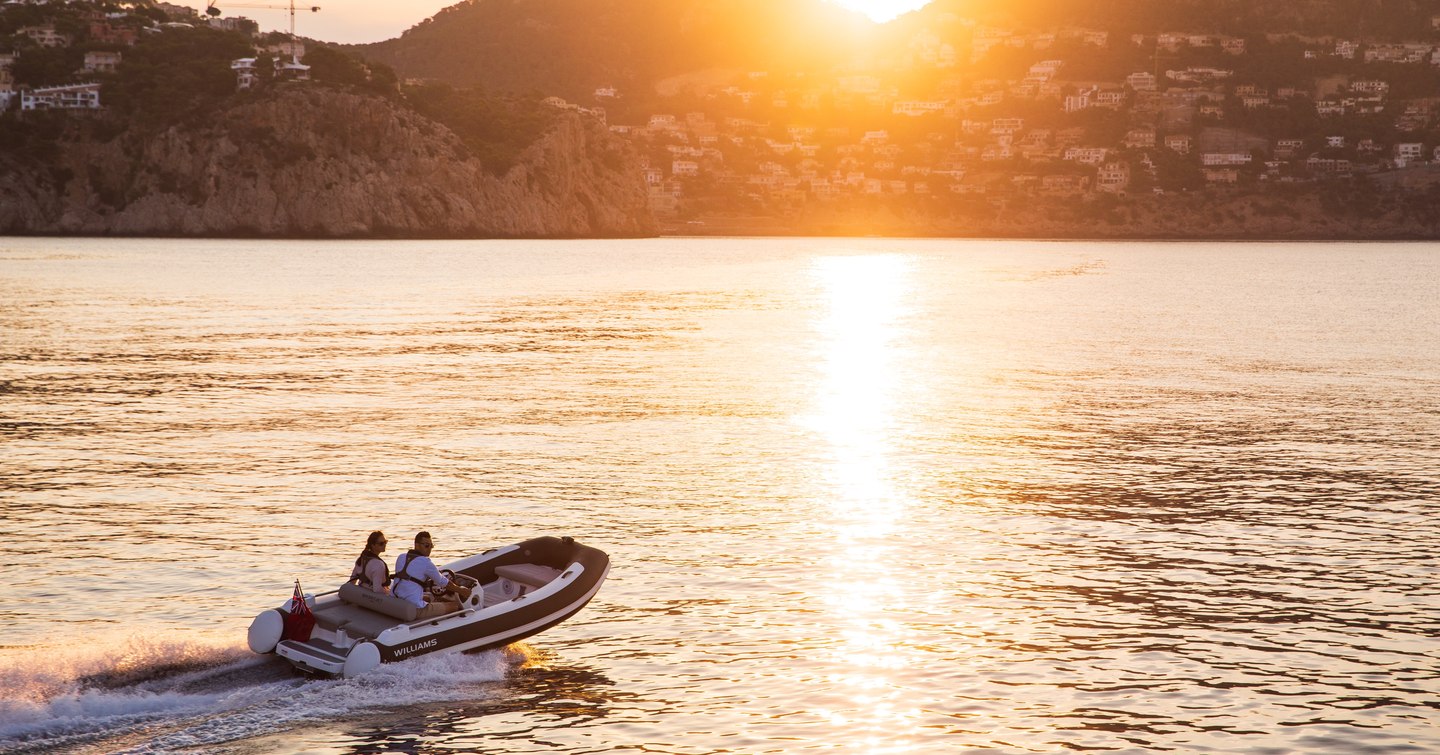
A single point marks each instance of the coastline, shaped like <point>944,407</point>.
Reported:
<point>1308,215</point>
<point>1312,216</point>
<point>744,235</point>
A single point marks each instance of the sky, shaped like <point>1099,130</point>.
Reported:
<point>882,10</point>
<point>348,21</point>
<point>353,21</point>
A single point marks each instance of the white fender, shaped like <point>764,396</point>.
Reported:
<point>362,658</point>
<point>266,630</point>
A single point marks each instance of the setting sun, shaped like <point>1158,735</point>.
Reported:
<point>882,10</point>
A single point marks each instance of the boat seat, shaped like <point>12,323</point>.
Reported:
<point>389,605</point>
<point>518,579</point>
<point>533,575</point>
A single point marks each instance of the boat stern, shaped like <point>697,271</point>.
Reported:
<point>320,657</point>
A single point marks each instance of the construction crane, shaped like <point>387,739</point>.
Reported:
<point>211,10</point>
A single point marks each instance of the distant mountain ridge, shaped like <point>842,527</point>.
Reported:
<point>1387,19</point>
<point>570,47</point>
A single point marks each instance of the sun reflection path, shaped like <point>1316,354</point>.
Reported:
<point>855,415</point>
<point>856,404</point>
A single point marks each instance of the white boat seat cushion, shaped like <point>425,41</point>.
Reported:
<point>533,575</point>
<point>389,605</point>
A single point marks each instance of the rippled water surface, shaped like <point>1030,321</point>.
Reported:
<point>861,496</point>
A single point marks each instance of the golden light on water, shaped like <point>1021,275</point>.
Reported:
<point>860,329</point>
<point>862,496</point>
<point>864,297</point>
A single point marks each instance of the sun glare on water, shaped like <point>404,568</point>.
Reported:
<point>861,330</point>
<point>882,10</point>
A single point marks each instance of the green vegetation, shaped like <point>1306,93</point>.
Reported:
<point>1384,19</point>
<point>334,66</point>
<point>175,75</point>
<point>569,47</point>
<point>184,75</point>
<point>50,65</point>
<point>34,137</point>
<point>495,129</point>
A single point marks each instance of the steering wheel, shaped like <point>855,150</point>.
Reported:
<point>450,578</point>
<point>437,590</point>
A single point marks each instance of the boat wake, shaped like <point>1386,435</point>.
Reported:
<point>143,694</point>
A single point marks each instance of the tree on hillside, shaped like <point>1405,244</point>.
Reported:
<point>47,66</point>
<point>176,74</point>
<point>495,129</point>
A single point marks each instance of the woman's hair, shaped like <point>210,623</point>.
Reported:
<point>370,542</point>
<point>366,555</point>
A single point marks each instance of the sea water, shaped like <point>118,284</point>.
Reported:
<point>860,495</point>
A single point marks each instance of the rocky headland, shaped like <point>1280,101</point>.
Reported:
<point>310,161</point>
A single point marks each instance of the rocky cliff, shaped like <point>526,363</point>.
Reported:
<point>304,161</point>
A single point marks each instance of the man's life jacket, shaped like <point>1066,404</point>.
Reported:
<point>403,572</point>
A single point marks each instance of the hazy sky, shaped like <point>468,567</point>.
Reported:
<point>882,10</point>
<point>374,20</point>
<point>338,20</point>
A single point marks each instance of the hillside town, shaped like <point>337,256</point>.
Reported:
<point>98,35</point>
<point>960,112</point>
<point>1025,114</point>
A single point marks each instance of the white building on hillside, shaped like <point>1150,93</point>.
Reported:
<point>1113,177</point>
<point>101,62</point>
<point>72,97</point>
<point>289,48</point>
<point>7,81</point>
<point>1142,81</point>
<point>1080,100</point>
<point>1222,159</point>
<point>292,71</point>
<point>917,107</point>
<point>1407,153</point>
<point>45,36</point>
<point>245,75</point>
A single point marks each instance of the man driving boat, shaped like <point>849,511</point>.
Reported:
<point>417,581</point>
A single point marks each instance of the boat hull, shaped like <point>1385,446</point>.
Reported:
<point>551,579</point>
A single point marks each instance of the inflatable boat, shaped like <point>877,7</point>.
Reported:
<point>517,591</point>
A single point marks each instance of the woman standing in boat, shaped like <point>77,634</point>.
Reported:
<point>370,570</point>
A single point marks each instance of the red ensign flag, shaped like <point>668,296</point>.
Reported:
<point>300,622</point>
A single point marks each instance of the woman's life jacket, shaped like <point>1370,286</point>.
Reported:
<point>358,573</point>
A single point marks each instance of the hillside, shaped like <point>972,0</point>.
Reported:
<point>1095,118</point>
<point>147,122</point>
<point>311,161</point>
<point>571,47</point>
<point>1110,118</point>
<point>1379,19</point>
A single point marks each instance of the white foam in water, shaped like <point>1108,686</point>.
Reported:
<point>176,693</point>
<point>49,690</point>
